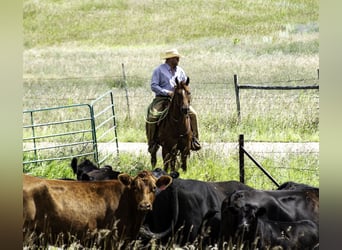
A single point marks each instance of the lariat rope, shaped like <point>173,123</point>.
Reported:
<point>156,114</point>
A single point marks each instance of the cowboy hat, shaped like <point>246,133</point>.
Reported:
<point>170,53</point>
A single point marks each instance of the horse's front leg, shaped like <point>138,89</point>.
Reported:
<point>169,158</point>
<point>166,158</point>
<point>184,158</point>
<point>154,156</point>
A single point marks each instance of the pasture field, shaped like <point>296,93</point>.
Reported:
<point>74,51</point>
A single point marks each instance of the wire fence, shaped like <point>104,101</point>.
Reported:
<point>259,174</point>
<point>215,104</point>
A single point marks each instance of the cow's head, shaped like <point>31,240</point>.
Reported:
<point>158,172</point>
<point>144,187</point>
<point>241,214</point>
<point>83,168</point>
<point>104,173</point>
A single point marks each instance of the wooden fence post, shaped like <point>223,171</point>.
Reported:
<point>125,83</point>
<point>237,95</point>
<point>318,74</point>
<point>241,159</point>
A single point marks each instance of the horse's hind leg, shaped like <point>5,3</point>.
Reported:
<point>173,163</point>
<point>153,160</point>
<point>167,159</point>
<point>184,161</point>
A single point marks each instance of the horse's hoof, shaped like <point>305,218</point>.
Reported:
<point>195,145</point>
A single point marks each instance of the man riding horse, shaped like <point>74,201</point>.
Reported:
<point>163,84</point>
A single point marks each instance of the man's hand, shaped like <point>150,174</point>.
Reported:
<point>170,93</point>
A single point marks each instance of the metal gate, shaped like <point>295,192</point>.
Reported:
<point>64,132</point>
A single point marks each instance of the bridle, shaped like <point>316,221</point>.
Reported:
<point>184,110</point>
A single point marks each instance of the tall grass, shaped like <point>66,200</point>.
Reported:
<point>209,165</point>
<point>265,116</point>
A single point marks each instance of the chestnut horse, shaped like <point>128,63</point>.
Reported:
<point>174,131</point>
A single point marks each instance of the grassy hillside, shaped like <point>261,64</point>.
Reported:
<point>93,38</point>
<point>136,23</point>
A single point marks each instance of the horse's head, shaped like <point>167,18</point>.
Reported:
<point>182,95</point>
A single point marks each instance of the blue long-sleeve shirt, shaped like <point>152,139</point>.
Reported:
<point>163,80</point>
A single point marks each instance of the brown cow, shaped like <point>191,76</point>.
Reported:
<point>77,208</point>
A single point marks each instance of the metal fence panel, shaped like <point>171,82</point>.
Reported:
<point>74,131</point>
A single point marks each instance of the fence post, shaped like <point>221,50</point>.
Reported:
<point>114,120</point>
<point>93,129</point>
<point>241,159</point>
<point>34,137</point>
<point>318,74</point>
<point>125,83</point>
<point>237,95</point>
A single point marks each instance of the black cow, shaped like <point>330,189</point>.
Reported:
<point>290,185</point>
<point>88,171</point>
<point>189,210</point>
<point>103,173</point>
<point>247,214</point>
<point>302,234</point>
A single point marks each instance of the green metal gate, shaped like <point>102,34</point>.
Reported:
<point>64,132</point>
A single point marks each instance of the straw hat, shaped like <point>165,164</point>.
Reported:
<point>170,53</point>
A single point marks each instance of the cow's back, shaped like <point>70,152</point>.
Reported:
<point>69,204</point>
<point>198,206</point>
<point>302,234</point>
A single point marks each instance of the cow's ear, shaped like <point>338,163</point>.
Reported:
<point>125,179</point>
<point>163,182</point>
<point>74,165</point>
<point>174,174</point>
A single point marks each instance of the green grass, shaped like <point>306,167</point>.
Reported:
<point>147,23</point>
<point>208,165</point>
<point>74,51</point>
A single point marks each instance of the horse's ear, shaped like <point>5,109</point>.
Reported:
<point>187,80</point>
<point>176,81</point>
